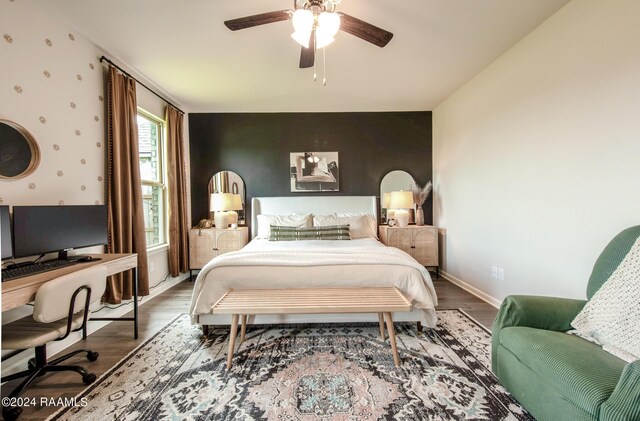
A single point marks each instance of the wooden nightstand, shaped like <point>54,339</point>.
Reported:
<point>207,243</point>
<point>421,242</point>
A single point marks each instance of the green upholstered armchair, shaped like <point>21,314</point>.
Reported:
<point>557,376</point>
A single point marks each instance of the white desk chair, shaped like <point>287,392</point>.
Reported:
<point>61,307</point>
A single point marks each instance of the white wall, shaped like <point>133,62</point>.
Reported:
<point>537,159</point>
<point>72,163</point>
<point>51,83</point>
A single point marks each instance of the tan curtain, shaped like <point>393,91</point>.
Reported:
<point>124,191</point>
<point>177,189</point>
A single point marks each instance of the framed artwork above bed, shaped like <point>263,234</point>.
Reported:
<point>314,171</point>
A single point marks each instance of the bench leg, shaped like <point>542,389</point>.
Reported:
<point>419,327</point>
<point>381,324</point>
<point>243,329</point>
<point>205,330</point>
<point>392,338</point>
<point>232,339</point>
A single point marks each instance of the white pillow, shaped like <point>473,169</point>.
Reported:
<point>361,225</point>
<point>612,316</point>
<point>365,225</point>
<point>325,220</point>
<point>292,220</point>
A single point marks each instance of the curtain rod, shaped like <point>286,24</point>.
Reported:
<point>103,58</point>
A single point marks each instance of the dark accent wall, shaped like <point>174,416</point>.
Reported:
<point>257,145</point>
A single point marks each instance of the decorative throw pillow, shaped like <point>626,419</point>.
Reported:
<point>361,225</point>
<point>612,316</point>
<point>336,232</point>
<point>325,220</point>
<point>292,220</point>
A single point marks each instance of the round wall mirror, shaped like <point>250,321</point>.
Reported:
<point>394,181</point>
<point>228,182</point>
<point>19,152</point>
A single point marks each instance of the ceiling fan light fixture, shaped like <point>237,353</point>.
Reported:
<point>328,26</point>
<point>303,21</point>
<point>315,23</point>
<point>302,38</point>
<point>329,23</point>
<point>323,40</point>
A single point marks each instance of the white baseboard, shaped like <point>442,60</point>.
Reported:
<point>471,289</point>
<point>18,362</point>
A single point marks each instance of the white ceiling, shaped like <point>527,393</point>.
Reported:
<point>183,47</point>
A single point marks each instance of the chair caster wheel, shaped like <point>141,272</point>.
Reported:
<point>11,413</point>
<point>89,378</point>
<point>92,355</point>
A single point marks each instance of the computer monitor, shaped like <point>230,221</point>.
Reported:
<point>46,229</point>
<point>5,232</point>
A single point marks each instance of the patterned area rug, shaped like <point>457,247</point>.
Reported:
<point>332,372</point>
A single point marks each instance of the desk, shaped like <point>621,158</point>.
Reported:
<point>21,291</point>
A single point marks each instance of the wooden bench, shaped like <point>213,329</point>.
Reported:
<point>383,300</point>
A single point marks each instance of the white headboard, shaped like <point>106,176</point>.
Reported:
<point>318,205</point>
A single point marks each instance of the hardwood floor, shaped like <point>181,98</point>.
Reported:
<point>452,296</point>
<point>115,341</point>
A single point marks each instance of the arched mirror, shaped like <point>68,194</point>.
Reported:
<point>394,181</point>
<point>228,182</point>
<point>19,152</point>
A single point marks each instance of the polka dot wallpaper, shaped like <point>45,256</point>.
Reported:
<point>51,83</point>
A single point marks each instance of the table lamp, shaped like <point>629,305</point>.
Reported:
<point>223,204</point>
<point>400,201</point>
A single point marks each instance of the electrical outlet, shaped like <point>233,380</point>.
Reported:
<point>501,274</point>
<point>494,271</point>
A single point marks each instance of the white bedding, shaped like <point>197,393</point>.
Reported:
<point>315,264</point>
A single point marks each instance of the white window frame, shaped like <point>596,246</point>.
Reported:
<point>161,182</point>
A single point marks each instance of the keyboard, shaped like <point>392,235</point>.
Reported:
<point>21,272</point>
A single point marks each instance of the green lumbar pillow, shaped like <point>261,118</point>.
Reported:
<point>333,232</point>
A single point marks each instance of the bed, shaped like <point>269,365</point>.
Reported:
<point>313,264</point>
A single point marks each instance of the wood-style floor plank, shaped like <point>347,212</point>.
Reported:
<point>115,341</point>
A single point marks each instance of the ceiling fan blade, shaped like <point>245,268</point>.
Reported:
<point>256,20</point>
<point>308,55</point>
<point>364,30</point>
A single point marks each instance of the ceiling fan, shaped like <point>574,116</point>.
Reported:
<point>315,24</point>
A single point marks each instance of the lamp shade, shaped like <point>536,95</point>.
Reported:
<point>386,199</point>
<point>329,23</point>
<point>328,26</point>
<point>225,202</point>
<point>303,21</point>
<point>401,200</point>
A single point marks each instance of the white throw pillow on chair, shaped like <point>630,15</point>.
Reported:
<point>612,316</point>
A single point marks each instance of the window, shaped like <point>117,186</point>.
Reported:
<point>150,143</point>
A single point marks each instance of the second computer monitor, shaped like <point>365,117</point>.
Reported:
<point>46,229</point>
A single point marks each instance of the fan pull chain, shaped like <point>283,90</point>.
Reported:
<point>315,74</point>
<point>324,66</point>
